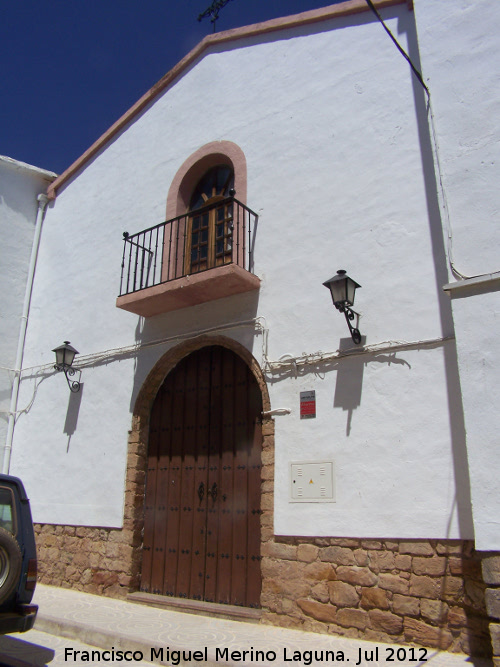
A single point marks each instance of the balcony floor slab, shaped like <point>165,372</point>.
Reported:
<point>191,290</point>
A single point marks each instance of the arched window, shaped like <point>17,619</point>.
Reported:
<point>198,164</point>
<point>215,184</point>
<point>209,238</point>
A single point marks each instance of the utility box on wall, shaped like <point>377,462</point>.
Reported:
<point>312,482</point>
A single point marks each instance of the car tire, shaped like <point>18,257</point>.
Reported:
<point>10,564</point>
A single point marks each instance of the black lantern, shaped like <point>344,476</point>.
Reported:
<point>342,288</point>
<point>65,355</point>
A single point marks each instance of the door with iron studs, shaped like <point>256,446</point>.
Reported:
<point>202,503</point>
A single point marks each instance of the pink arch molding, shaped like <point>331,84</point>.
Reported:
<point>209,155</point>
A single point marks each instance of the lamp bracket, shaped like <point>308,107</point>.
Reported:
<point>350,314</point>
<point>74,385</point>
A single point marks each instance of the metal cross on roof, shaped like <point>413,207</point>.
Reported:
<point>213,11</point>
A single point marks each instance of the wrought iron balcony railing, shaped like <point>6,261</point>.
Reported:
<point>214,235</point>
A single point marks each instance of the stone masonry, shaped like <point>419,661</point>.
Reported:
<point>491,577</point>
<point>411,592</point>
<point>94,560</point>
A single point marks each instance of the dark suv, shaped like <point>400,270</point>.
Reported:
<point>17,558</point>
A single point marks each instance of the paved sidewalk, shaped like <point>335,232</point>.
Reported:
<point>149,632</point>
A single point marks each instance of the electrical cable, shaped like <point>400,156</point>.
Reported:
<point>398,46</point>
<point>321,357</point>
<point>85,361</point>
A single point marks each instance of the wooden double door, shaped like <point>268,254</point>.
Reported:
<point>202,504</point>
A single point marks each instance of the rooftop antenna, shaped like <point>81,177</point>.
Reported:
<point>213,11</point>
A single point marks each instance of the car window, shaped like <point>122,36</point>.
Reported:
<point>7,511</point>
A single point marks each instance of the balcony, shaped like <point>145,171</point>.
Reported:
<point>194,258</point>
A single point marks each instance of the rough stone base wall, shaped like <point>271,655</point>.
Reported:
<point>95,560</point>
<point>429,593</point>
<point>491,576</point>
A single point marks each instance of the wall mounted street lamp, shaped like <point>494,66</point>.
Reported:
<point>342,289</point>
<point>65,355</point>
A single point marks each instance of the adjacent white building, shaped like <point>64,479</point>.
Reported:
<point>230,442</point>
<point>22,202</point>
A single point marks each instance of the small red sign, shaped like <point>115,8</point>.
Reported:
<point>307,404</point>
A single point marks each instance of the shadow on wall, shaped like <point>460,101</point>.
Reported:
<point>74,403</point>
<point>5,395</point>
<point>425,122</point>
<point>12,194</point>
<point>349,384</point>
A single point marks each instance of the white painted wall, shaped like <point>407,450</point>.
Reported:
<point>20,184</point>
<point>338,154</point>
<point>461,63</point>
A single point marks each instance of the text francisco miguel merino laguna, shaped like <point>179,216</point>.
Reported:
<point>175,657</point>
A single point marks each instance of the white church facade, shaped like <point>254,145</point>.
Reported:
<point>228,440</point>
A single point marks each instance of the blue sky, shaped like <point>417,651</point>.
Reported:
<point>70,68</point>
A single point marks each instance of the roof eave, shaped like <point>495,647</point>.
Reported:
<point>24,166</point>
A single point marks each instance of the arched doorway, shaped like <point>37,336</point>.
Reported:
<point>202,498</point>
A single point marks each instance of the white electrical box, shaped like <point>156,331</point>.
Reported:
<point>312,482</point>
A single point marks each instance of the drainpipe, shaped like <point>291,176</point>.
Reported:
<point>42,204</point>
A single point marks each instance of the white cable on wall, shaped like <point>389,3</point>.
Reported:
<point>288,361</point>
<point>85,361</point>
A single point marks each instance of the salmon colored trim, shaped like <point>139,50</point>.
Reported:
<point>197,164</point>
<point>187,177</point>
<point>216,283</point>
<point>305,18</point>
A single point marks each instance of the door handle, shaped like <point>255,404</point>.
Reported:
<point>213,491</point>
<point>201,491</point>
